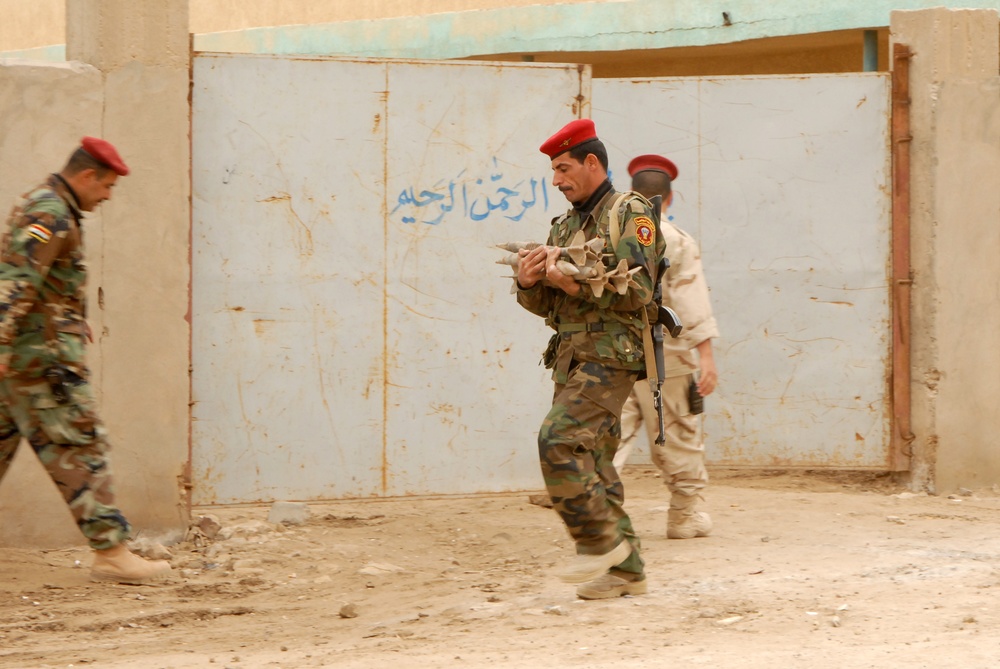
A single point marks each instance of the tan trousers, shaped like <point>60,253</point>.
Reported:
<point>681,458</point>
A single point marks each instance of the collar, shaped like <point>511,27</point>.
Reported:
<point>66,192</point>
<point>587,206</point>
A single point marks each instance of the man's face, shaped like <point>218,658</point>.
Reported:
<point>93,189</point>
<point>576,180</point>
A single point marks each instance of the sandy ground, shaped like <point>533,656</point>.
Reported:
<point>803,570</point>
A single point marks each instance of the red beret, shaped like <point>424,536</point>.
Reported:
<point>653,162</point>
<point>573,134</point>
<point>104,153</point>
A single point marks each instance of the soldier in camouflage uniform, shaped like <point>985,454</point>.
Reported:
<point>45,395</point>
<point>596,356</point>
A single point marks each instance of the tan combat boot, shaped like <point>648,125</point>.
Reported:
<point>585,568</point>
<point>119,565</point>
<point>683,521</point>
<point>611,585</point>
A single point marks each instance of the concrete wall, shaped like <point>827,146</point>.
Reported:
<point>134,92</point>
<point>142,50</point>
<point>26,25</point>
<point>955,219</point>
<point>44,111</point>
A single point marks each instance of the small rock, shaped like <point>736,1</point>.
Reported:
<point>540,500</point>
<point>289,513</point>
<point>209,526</point>
<point>835,621</point>
<point>555,610</point>
<point>895,519</point>
<point>965,492</point>
<point>729,621</point>
<point>252,528</point>
<point>244,563</point>
<point>375,568</point>
<point>149,548</point>
<point>349,611</point>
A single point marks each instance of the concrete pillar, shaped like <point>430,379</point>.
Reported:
<point>955,227</point>
<point>141,255</point>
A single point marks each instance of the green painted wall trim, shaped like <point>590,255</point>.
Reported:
<point>602,26</point>
<point>614,25</point>
<point>46,54</point>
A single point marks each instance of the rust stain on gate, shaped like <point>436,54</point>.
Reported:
<point>902,278</point>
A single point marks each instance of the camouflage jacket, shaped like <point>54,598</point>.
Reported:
<point>608,329</point>
<point>42,279</point>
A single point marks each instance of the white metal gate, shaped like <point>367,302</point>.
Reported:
<point>786,183</point>
<point>352,333</point>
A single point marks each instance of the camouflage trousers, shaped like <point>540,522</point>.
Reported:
<point>576,445</point>
<point>71,443</point>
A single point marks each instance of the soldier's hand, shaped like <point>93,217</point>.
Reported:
<point>567,283</point>
<point>709,377</point>
<point>531,268</point>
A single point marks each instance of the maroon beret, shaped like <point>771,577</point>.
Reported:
<point>653,162</point>
<point>105,153</point>
<point>573,134</point>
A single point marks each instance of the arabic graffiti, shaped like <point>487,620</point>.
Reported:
<point>474,198</point>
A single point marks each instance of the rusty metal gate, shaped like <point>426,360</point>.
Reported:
<point>353,337</point>
<point>785,180</point>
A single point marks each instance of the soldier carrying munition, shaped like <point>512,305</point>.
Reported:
<point>583,260</point>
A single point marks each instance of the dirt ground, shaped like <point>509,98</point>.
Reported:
<point>803,570</point>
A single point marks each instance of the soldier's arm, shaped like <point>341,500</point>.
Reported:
<point>686,292</point>
<point>532,293</point>
<point>35,242</point>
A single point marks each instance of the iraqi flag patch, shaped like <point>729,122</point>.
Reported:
<point>644,230</point>
<point>39,232</point>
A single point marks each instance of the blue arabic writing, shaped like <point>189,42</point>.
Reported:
<point>478,198</point>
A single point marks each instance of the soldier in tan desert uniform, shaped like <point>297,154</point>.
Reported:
<point>681,458</point>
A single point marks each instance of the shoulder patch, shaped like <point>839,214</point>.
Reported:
<point>644,230</point>
<point>39,232</point>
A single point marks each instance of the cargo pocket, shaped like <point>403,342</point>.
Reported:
<point>70,424</point>
<point>627,350</point>
<point>606,387</point>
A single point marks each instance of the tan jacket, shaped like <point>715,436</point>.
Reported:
<point>686,292</point>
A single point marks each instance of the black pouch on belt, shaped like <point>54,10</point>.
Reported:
<point>696,403</point>
<point>58,378</point>
<point>549,356</point>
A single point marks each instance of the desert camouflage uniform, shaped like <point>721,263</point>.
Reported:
<point>681,458</point>
<point>43,326</point>
<point>596,356</point>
